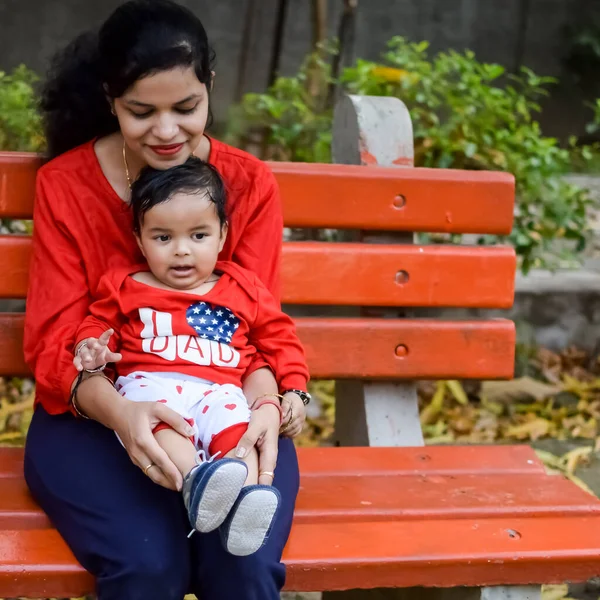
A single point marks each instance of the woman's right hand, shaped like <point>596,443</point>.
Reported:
<point>134,426</point>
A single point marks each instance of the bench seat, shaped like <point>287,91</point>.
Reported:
<point>372,517</point>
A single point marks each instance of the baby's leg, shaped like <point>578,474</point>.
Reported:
<point>180,450</point>
<point>222,421</point>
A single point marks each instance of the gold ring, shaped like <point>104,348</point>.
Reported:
<point>269,473</point>
<point>148,468</point>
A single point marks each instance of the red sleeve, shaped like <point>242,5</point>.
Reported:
<point>58,297</point>
<point>273,334</point>
<point>259,249</point>
<point>105,313</point>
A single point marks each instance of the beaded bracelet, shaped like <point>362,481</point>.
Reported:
<point>79,381</point>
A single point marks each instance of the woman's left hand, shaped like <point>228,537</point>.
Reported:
<point>294,415</point>
<point>262,432</point>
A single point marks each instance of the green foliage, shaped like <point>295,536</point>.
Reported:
<point>594,126</point>
<point>466,115</point>
<point>293,112</point>
<point>20,122</point>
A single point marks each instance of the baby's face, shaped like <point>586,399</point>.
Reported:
<point>181,240</point>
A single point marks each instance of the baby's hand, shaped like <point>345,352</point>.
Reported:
<point>94,353</point>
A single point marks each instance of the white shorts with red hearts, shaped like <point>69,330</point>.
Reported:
<point>218,412</point>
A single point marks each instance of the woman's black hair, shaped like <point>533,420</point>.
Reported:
<point>194,176</point>
<point>140,38</point>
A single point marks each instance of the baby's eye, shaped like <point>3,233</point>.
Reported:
<point>199,236</point>
<point>162,238</point>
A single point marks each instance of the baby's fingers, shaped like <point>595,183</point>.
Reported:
<point>105,337</point>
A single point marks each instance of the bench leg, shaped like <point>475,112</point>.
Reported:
<point>526,592</point>
<point>377,414</point>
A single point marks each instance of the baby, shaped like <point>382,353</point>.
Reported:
<point>184,328</point>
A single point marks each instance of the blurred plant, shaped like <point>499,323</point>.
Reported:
<point>583,52</point>
<point>20,122</point>
<point>594,126</point>
<point>293,114</point>
<point>466,115</point>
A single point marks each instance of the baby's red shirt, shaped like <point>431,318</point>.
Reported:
<point>212,336</point>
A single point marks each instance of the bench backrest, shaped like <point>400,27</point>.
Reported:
<point>354,274</point>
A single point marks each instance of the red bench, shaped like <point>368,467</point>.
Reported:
<point>367,517</point>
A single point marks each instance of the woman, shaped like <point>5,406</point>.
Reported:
<point>137,93</point>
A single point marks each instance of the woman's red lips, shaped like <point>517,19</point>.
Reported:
<point>168,149</point>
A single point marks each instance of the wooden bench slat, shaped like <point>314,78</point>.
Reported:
<point>382,498</point>
<point>443,553</point>
<point>17,184</point>
<point>367,275</point>
<point>38,564</point>
<point>365,348</point>
<point>436,200</point>
<point>344,196</point>
<point>408,349</point>
<point>432,460</point>
<point>354,274</point>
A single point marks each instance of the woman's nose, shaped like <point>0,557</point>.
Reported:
<point>165,129</point>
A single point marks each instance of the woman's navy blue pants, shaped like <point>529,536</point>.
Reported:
<point>130,533</point>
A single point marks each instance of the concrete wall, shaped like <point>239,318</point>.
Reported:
<point>511,32</point>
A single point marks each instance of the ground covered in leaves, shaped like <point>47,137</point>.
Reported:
<point>556,397</point>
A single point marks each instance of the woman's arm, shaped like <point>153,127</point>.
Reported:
<point>259,249</point>
<point>133,422</point>
<point>57,300</point>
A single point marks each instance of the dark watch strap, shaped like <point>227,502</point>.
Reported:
<point>304,396</point>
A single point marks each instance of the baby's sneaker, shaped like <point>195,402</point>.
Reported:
<point>249,523</point>
<point>211,489</point>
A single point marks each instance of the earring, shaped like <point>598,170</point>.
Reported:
<point>112,110</point>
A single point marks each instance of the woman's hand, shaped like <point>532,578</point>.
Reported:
<point>263,432</point>
<point>294,415</point>
<point>134,428</point>
<point>94,353</point>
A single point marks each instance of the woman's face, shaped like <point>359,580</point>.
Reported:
<point>163,116</point>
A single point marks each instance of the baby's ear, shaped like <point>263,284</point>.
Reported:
<point>224,230</point>
<point>139,243</point>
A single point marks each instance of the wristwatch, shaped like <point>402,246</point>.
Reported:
<point>304,396</point>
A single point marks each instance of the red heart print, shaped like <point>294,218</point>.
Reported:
<point>143,385</point>
<point>139,377</point>
<point>207,393</point>
<point>163,401</point>
<point>179,389</point>
<point>190,421</point>
<point>230,406</point>
<point>205,409</point>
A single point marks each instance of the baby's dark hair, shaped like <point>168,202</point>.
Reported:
<point>153,187</point>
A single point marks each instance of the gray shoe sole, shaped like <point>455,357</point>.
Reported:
<point>219,495</point>
<point>250,522</point>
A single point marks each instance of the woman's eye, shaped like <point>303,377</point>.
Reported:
<point>199,236</point>
<point>141,115</point>
<point>187,111</point>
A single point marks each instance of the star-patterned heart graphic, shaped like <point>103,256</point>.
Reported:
<point>212,322</point>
